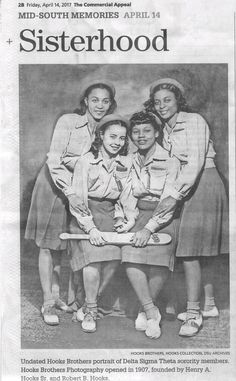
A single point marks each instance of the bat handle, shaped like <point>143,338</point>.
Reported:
<point>64,236</point>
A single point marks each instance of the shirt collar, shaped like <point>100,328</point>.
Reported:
<point>82,121</point>
<point>159,153</point>
<point>180,118</point>
<point>99,159</point>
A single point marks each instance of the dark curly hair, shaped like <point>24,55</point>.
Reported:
<point>96,145</point>
<point>181,101</point>
<point>81,110</point>
<point>144,117</point>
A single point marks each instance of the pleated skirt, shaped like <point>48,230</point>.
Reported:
<point>47,217</point>
<point>204,223</point>
<point>162,255</point>
<point>82,252</point>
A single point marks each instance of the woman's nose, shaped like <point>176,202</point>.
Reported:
<point>162,104</point>
<point>99,104</point>
<point>141,134</point>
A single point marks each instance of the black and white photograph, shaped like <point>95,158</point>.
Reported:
<point>124,212</point>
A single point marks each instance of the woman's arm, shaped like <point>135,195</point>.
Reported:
<point>80,192</point>
<point>78,198</point>
<point>60,174</point>
<point>126,210</point>
<point>164,212</point>
<point>197,135</point>
<point>155,223</point>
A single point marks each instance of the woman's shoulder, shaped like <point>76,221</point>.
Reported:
<point>127,160</point>
<point>85,160</point>
<point>72,120</point>
<point>191,117</point>
<point>87,157</point>
<point>160,153</point>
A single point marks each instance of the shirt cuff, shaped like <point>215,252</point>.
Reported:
<point>118,213</point>
<point>170,191</point>
<point>152,225</point>
<point>132,214</point>
<point>68,191</point>
<point>87,224</point>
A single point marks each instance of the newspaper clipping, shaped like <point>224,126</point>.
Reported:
<point>118,190</point>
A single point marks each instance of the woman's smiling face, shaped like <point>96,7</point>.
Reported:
<point>113,139</point>
<point>98,103</point>
<point>165,103</point>
<point>144,136</point>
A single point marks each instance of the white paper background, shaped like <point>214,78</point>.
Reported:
<point>198,32</point>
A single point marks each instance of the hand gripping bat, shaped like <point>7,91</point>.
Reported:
<point>121,238</point>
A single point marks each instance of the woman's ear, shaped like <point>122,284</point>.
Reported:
<point>86,101</point>
<point>157,134</point>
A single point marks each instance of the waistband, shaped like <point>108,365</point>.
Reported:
<point>147,205</point>
<point>102,200</point>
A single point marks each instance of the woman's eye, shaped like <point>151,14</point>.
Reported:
<point>122,138</point>
<point>106,101</point>
<point>135,132</point>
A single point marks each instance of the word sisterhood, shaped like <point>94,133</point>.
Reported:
<point>36,40</point>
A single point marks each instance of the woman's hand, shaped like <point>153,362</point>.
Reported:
<point>124,227</point>
<point>167,205</point>
<point>78,205</point>
<point>140,239</point>
<point>119,221</point>
<point>96,238</point>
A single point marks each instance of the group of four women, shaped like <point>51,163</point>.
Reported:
<point>92,184</point>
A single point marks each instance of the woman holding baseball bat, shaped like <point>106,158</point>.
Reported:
<point>148,267</point>
<point>101,177</point>
<point>47,217</point>
<point>204,222</point>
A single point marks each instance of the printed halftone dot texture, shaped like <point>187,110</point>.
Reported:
<point>47,91</point>
<point>116,331</point>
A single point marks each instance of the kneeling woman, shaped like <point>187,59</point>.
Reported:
<point>148,266</point>
<point>99,179</point>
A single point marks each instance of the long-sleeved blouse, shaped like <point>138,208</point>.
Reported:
<point>72,138</point>
<point>93,178</point>
<point>189,141</point>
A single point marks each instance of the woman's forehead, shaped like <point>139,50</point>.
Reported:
<point>99,93</point>
<point>115,128</point>
<point>143,125</point>
<point>163,93</point>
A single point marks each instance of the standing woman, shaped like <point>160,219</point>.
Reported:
<point>99,179</point>
<point>47,217</point>
<point>203,228</point>
<point>148,267</point>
